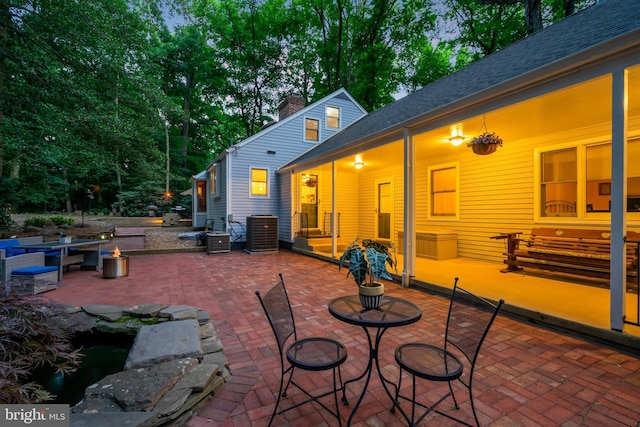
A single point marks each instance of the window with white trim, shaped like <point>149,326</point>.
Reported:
<point>311,129</point>
<point>333,117</point>
<point>214,180</point>
<point>559,182</point>
<point>201,188</point>
<point>565,191</point>
<point>443,191</point>
<point>259,182</point>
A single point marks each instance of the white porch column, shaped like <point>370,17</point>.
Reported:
<point>618,199</point>
<point>334,213</point>
<point>409,209</point>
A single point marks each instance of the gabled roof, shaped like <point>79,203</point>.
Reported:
<point>340,93</point>
<point>598,31</point>
<point>199,176</point>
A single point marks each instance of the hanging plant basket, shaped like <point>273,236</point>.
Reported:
<point>485,143</point>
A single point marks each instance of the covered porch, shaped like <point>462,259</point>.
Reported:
<point>575,304</point>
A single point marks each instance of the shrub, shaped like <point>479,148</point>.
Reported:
<point>36,222</point>
<point>6,222</point>
<point>31,337</point>
<point>60,220</point>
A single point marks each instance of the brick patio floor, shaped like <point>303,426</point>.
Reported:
<point>527,375</point>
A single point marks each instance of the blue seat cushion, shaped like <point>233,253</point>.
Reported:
<point>33,270</point>
<point>13,252</point>
<point>8,244</point>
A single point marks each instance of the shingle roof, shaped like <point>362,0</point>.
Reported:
<point>604,22</point>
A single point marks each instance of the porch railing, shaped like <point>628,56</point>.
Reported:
<point>637,321</point>
<point>327,224</point>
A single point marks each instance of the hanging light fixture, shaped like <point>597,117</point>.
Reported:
<point>358,164</point>
<point>456,140</point>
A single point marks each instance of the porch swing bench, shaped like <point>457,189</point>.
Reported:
<point>570,251</point>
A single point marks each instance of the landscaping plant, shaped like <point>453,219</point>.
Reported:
<point>31,336</point>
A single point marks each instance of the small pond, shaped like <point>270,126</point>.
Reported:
<point>104,354</point>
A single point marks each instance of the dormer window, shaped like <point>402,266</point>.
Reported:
<point>333,117</point>
<point>311,130</point>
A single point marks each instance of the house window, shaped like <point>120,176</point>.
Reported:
<point>559,183</point>
<point>444,191</point>
<point>311,130</point>
<point>598,185</point>
<point>214,180</point>
<point>202,196</point>
<point>333,117</point>
<point>259,184</point>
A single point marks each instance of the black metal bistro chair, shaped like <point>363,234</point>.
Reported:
<point>310,354</point>
<point>468,322</point>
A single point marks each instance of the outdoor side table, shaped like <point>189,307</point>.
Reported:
<point>393,312</point>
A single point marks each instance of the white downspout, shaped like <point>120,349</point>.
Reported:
<point>228,187</point>
<point>618,278</point>
<point>409,209</point>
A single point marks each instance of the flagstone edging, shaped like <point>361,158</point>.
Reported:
<point>175,364</point>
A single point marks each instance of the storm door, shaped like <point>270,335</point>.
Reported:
<point>309,201</point>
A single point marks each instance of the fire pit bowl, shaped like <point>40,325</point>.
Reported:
<point>115,266</point>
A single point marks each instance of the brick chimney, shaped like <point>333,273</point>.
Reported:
<point>290,105</point>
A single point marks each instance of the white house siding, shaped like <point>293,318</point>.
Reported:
<point>217,205</point>
<point>274,147</point>
<point>348,203</point>
<point>284,214</point>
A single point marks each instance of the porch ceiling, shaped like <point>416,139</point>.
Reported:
<point>581,106</point>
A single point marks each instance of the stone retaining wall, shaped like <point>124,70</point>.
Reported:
<point>175,363</point>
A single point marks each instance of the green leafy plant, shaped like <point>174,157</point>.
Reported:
<point>31,336</point>
<point>60,220</point>
<point>36,222</point>
<point>367,262</point>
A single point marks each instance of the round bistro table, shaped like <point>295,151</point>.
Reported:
<point>393,312</point>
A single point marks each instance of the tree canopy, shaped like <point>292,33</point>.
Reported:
<point>109,99</point>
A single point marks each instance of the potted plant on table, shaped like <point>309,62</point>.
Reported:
<point>64,238</point>
<point>367,263</point>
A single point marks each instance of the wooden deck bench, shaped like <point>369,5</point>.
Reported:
<point>571,251</point>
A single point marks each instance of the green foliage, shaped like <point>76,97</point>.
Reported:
<point>103,93</point>
<point>31,337</point>
<point>60,220</point>
<point>135,202</point>
<point>368,262</point>
<point>36,222</point>
<point>8,196</point>
<point>47,221</point>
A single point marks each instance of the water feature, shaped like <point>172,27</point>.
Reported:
<point>104,354</point>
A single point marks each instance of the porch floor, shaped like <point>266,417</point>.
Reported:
<point>578,304</point>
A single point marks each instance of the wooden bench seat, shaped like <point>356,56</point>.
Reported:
<point>572,251</point>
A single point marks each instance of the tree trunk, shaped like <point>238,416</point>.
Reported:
<point>186,119</point>
<point>532,16</point>
<point>532,12</point>
<point>167,152</point>
<point>67,195</point>
<point>5,21</point>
